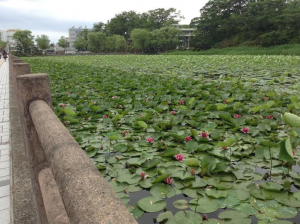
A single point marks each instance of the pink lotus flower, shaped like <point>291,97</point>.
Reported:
<point>181,101</point>
<point>124,133</point>
<point>105,116</point>
<point>188,138</point>
<point>179,157</point>
<point>168,180</point>
<point>63,105</point>
<point>114,97</point>
<point>225,101</point>
<point>193,172</point>
<point>150,140</point>
<point>120,106</point>
<point>266,98</point>
<point>172,112</point>
<point>294,153</point>
<point>204,134</point>
<point>245,130</point>
<point>269,117</point>
<point>143,175</point>
<point>237,115</point>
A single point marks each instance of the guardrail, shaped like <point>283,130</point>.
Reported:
<point>68,187</point>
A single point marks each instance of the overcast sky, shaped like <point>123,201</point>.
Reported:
<point>55,17</point>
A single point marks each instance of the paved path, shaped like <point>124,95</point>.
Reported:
<point>5,154</point>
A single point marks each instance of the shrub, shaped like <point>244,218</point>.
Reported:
<point>273,38</point>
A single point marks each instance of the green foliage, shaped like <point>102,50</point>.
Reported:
<point>124,23</point>
<point>25,39</point>
<point>63,42</point>
<point>141,39</point>
<point>273,38</point>
<point>2,43</point>
<point>245,50</point>
<point>80,44</point>
<point>115,43</point>
<point>165,38</point>
<point>232,23</point>
<point>43,41</point>
<point>96,41</point>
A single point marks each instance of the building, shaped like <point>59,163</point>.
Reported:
<point>73,33</point>
<point>185,34</point>
<point>6,36</point>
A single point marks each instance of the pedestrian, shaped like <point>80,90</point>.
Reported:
<point>4,55</point>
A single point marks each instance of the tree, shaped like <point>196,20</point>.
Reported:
<point>98,27</point>
<point>141,39</point>
<point>120,43</point>
<point>226,23</point>
<point>19,50</point>
<point>165,38</point>
<point>123,23</point>
<point>96,41</point>
<point>2,43</point>
<point>83,34</point>
<point>63,42</point>
<point>160,17</point>
<point>115,43</point>
<point>80,44</point>
<point>43,42</point>
<point>24,38</point>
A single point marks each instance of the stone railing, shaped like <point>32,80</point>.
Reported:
<point>68,187</point>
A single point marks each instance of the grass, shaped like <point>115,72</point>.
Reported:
<point>287,49</point>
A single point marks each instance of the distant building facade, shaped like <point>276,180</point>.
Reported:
<point>73,33</point>
<point>185,34</point>
<point>6,36</point>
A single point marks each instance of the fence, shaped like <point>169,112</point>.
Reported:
<point>68,187</point>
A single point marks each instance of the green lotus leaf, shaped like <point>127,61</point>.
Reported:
<point>142,124</point>
<point>124,197</point>
<point>162,191</point>
<point>181,204</point>
<point>169,152</point>
<point>192,162</point>
<point>203,205</point>
<point>118,187</point>
<point>135,211</point>
<point>161,178</point>
<point>151,204</point>
<point>286,151</point>
<point>188,217</point>
<point>146,183</point>
<point>291,119</point>
<point>232,215</point>
<point>150,164</point>
<point>166,217</point>
<point>271,186</point>
<point>213,193</point>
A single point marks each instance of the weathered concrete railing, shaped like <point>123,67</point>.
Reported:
<point>68,187</point>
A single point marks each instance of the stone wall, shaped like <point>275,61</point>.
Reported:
<point>67,187</point>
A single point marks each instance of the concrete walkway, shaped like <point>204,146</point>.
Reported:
<point>5,153</point>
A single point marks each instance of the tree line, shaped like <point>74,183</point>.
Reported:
<point>222,23</point>
<point>151,31</point>
<point>228,23</point>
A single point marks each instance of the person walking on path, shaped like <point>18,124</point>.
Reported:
<point>4,55</point>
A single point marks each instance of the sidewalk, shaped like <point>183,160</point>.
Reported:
<point>5,153</point>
